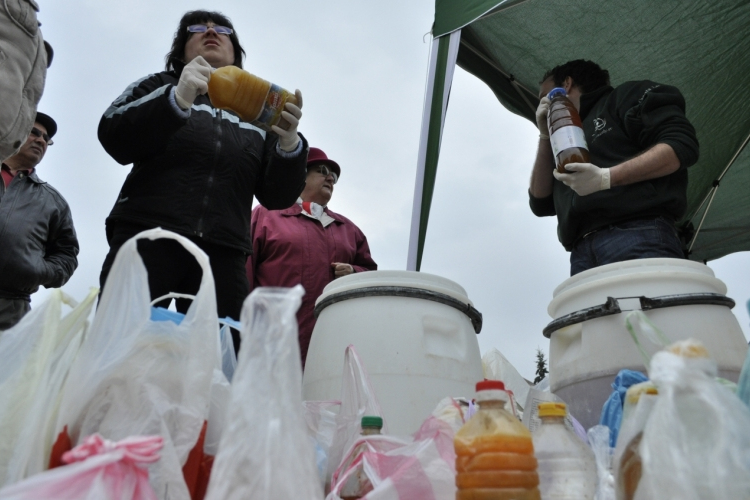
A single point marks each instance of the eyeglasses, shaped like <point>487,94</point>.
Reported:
<point>323,169</point>
<point>202,28</point>
<point>38,133</point>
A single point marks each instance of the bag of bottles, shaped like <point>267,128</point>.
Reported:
<point>265,453</point>
<point>137,377</point>
<point>400,469</point>
<point>696,442</point>
<point>35,357</point>
<point>98,470</point>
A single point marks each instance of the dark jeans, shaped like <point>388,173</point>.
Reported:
<point>171,268</point>
<point>637,239</point>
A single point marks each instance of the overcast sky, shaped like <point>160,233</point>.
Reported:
<point>361,67</point>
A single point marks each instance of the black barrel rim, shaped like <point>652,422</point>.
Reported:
<point>612,306</point>
<point>403,291</point>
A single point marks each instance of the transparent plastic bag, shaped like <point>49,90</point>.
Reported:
<point>357,400</point>
<point>696,442</point>
<point>35,357</point>
<point>320,417</point>
<point>265,453</point>
<point>134,376</point>
<point>98,470</point>
<point>599,437</point>
<point>496,367</point>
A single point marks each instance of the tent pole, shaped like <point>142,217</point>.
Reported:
<point>439,78</point>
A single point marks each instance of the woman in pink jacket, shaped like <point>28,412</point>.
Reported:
<point>307,244</point>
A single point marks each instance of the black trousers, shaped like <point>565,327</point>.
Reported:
<point>171,268</point>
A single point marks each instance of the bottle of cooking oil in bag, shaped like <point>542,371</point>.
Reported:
<point>567,466</point>
<point>358,485</point>
<point>256,100</point>
<point>565,131</point>
<point>494,451</point>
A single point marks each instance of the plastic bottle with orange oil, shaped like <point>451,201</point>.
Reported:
<point>565,131</point>
<point>494,451</point>
<point>254,99</point>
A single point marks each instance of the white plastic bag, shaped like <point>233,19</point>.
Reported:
<point>98,470</point>
<point>599,439</point>
<point>134,376</point>
<point>265,453</point>
<point>35,356</point>
<point>496,367</point>
<point>357,400</point>
<point>320,417</point>
<point>696,442</point>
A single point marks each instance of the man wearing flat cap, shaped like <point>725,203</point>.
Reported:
<point>307,244</point>
<point>37,237</point>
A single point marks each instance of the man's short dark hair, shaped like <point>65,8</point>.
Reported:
<point>587,75</point>
<point>175,59</point>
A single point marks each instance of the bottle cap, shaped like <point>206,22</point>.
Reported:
<point>486,385</point>
<point>556,92</point>
<point>552,409</point>
<point>372,421</point>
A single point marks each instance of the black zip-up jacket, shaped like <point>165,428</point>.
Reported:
<point>619,124</point>
<point>195,176</point>
<point>38,243</point>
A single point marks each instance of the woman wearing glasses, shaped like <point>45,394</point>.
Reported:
<point>196,168</point>
<point>307,244</point>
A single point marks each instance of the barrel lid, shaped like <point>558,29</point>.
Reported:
<point>408,279</point>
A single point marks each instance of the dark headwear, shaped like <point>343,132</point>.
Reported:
<point>317,156</point>
<point>48,123</point>
<point>50,53</point>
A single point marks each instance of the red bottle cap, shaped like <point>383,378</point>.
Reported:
<point>487,385</point>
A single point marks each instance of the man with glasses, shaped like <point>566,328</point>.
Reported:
<point>37,237</point>
<point>307,244</point>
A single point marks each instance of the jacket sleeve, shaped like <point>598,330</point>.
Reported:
<point>257,236</point>
<point>139,123</point>
<point>363,260</point>
<point>658,116</point>
<point>542,207</point>
<point>283,178</point>
<point>62,249</point>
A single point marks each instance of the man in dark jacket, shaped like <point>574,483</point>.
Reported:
<point>622,205</point>
<point>196,168</point>
<point>37,237</point>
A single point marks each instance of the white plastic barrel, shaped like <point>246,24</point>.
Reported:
<point>585,357</point>
<point>415,350</point>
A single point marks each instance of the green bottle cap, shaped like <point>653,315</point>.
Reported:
<point>372,421</point>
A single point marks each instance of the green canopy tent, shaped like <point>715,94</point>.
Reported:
<point>703,48</point>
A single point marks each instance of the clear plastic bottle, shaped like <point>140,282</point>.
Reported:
<point>567,466</point>
<point>565,131</point>
<point>494,452</point>
<point>256,100</point>
<point>358,485</point>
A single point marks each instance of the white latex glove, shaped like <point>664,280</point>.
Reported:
<point>585,179</point>
<point>288,139</point>
<point>541,118</point>
<point>193,81</point>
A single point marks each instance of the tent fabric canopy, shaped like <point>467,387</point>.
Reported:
<point>700,47</point>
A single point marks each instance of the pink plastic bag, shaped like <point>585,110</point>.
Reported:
<point>423,469</point>
<point>98,470</point>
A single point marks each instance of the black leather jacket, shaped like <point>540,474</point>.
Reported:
<point>38,243</point>
<point>195,176</point>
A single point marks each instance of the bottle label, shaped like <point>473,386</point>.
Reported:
<point>567,137</point>
<point>272,107</point>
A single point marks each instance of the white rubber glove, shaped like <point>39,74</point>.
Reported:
<point>541,118</point>
<point>193,81</point>
<point>585,179</point>
<point>288,139</point>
